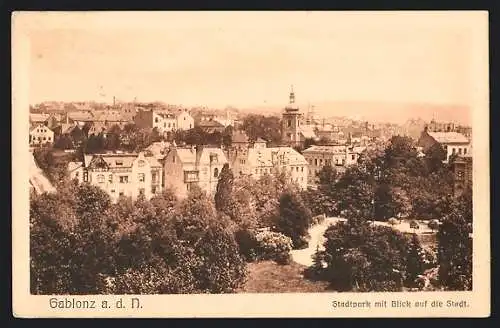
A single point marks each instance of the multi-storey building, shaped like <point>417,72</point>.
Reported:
<point>263,160</point>
<point>118,175</point>
<point>40,134</point>
<point>462,173</point>
<point>188,166</point>
<point>164,120</point>
<point>453,143</point>
<point>338,156</point>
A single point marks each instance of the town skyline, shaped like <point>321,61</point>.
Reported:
<point>224,59</point>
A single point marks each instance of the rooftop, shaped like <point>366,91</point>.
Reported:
<point>448,137</point>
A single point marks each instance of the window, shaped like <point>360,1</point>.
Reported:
<point>343,161</point>
<point>190,126</point>
<point>124,179</point>
<point>173,125</point>
<point>320,162</point>
<point>460,151</point>
<point>141,177</point>
<point>256,171</point>
<point>76,174</point>
<point>453,150</point>
<point>110,178</point>
<point>100,178</point>
<point>216,172</point>
<point>465,151</point>
<point>153,177</point>
<point>173,159</point>
<point>353,157</point>
<point>156,119</point>
<point>289,123</point>
<point>153,189</point>
<point>301,169</point>
<point>168,124</point>
<point>141,163</point>
<point>297,168</point>
<point>48,138</point>
<point>118,162</point>
<point>142,191</point>
<point>121,193</point>
<point>316,161</point>
<point>85,176</point>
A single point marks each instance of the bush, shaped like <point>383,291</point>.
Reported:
<point>248,244</point>
<point>433,224</point>
<point>273,246</point>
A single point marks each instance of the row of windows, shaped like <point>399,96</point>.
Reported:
<point>268,170</point>
<point>322,162</point>
<point>141,177</point>
<point>44,138</point>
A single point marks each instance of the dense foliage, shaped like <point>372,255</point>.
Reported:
<point>81,243</point>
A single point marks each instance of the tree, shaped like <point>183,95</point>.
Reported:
<point>223,195</point>
<point>455,249</point>
<point>433,225</point>
<point>356,193</point>
<point>414,260</point>
<point>294,219</point>
<point>266,127</point>
<point>363,257</point>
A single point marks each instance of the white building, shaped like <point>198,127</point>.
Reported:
<point>452,142</point>
<point>40,134</point>
<point>163,120</point>
<point>120,174</point>
<point>339,157</point>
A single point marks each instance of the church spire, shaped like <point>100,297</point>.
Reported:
<point>292,95</point>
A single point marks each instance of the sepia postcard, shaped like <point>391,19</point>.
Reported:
<point>250,164</point>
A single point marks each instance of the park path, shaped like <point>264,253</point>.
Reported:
<point>37,179</point>
<point>304,256</point>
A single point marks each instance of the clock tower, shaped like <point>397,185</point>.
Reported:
<point>290,122</point>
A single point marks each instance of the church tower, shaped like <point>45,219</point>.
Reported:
<point>290,122</point>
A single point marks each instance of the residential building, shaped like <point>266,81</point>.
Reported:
<point>80,117</point>
<point>164,120</point>
<point>118,175</point>
<point>452,142</point>
<point>211,126</point>
<point>40,135</point>
<point>262,160</point>
<point>462,173</point>
<point>96,128</point>
<point>188,166</point>
<point>337,156</point>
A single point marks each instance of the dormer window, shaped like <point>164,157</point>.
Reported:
<point>119,162</point>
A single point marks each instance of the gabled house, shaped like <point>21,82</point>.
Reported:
<point>188,166</point>
<point>40,134</point>
<point>118,175</point>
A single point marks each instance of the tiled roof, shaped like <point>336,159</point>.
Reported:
<point>264,156</point>
<point>448,137</point>
<point>326,149</point>
<point>35,117</point>
<point>210,124</point>
<point>120,160</point>
<point>81,116</point>
<point>308,132</point>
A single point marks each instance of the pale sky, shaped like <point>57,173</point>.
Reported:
<point>249,59</point>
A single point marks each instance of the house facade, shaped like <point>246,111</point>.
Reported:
<point>453,143</point>
<point>40,134</point>
<point>188,166</point>
<point>118,175</point>
<point>164,121</point>
<point>339,157</point>
<point>462,173</point>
